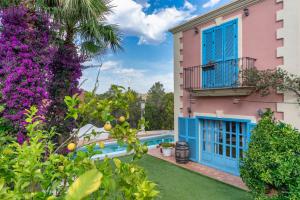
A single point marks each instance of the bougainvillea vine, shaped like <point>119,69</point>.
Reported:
<point>25,55</point>
<point>67,70</point>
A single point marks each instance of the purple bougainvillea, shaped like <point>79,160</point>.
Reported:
<point>25,56</point>
<point>67,70</point>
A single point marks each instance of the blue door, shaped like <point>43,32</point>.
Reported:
<point>220,56</point>
<point>223,143</point>
<point>188,132</point>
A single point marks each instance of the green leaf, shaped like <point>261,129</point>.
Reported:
<point>1,184</point>
<point>51,198</point>
<point>85,185</point>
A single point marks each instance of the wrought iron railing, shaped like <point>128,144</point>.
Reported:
<point>223,74</point>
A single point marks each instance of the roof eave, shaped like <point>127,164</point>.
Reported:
<point>226,9</point>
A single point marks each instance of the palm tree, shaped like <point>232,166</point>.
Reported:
<point>85,20</point>
<point>82,23</point>
<point>79,19</point>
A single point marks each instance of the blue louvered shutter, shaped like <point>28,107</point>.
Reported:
<point>230,40</point>
<point>208,46</point>
<point>182,129</point>
<point>208,74</point>
<point>219,68</point>
<point>230,54</point>
<point>192,138</point>
<point>251,126</point>
<point>218,40</point>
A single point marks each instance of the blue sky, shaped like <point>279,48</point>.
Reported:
<point>148,47</point>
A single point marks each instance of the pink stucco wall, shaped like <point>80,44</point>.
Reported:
<point>258,41</point>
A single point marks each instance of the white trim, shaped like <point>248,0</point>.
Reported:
<point>219,21</point>
<point>235,5</point>
<point>177,81</point>
<point>246,117</point>
<point>199,142</point>
<point>279,15</point>
<point>239,17</point>
<point>290,52</point>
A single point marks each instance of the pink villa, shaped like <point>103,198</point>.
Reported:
<point>214,109</point>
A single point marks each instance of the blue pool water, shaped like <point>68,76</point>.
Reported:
<point>113,149</point>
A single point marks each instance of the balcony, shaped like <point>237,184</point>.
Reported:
<point>224,78</point>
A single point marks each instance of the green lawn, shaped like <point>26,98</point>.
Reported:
<point>176,183</point>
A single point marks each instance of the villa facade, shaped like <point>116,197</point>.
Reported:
<point>215,109</point>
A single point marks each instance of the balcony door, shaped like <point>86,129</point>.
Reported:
<point>220,56</point>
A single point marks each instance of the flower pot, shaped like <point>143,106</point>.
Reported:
<point>167,152</point>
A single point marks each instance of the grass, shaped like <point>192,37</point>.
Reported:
<point>176,183</point>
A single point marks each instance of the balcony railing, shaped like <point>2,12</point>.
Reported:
<point>223,74</point>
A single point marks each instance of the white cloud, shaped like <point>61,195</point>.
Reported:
<point>150,28</point>
<point>95,63</point>
<point>144,3</point>
<point>211,3</point>
<point>189,6</point>
<point>137,79</point>
<point>109,65</point>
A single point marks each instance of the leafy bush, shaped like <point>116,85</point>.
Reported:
<point>134,105</point>
<point>166,145</point>
<point>271,168</point>
<point>35,170</point>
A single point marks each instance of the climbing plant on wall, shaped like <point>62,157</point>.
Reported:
<point>267,80</point>
<point>25,56</point>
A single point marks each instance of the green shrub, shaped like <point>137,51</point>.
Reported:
<point>34,170</point>
<point>271,168</point>
<point>166,145</point>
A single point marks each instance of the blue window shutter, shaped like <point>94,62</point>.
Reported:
<point>182,129</point>
<point>188,132</point>
<point>208,46</point>
<point>192,138</point>
<point>219,71</point>
<point>231,71</point>
<point>230,40</point>
<point>218,43</point>
<point>251,126</point>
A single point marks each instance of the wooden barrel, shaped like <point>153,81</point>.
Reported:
<point>182,152</point>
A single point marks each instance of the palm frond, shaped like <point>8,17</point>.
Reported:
<point>102,35</point>
<point>85,10</point>
<point>89,47</point>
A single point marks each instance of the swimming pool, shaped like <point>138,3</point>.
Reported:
<point>112,149</point>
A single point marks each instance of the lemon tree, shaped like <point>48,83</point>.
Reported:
<point>36,169</point>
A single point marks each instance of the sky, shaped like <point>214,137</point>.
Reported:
<point>147,55</point>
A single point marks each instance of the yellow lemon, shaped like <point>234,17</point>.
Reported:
<point>101,144</point>
<point>107,126</point>
<point>145,149</point>
<point>61,168</point>
<point>71,146</point>
<point>122,119</point>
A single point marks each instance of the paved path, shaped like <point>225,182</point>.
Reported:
<point>202,169</point>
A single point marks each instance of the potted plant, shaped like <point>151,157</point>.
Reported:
<point>166,148</point>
